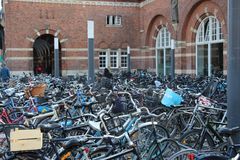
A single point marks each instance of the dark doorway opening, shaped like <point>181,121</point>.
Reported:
<point>43,55</point>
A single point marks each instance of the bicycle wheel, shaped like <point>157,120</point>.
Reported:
<point>163,149</point>
<point>160,110</point>
<point>99,153</point>
<point>178,122</point>
<point>109,153</point>
<point>212,156</point>
<point>16,116</point>
<point>74,152</point>
<point>174,125</point>
<point>24,156</point>
<point>186,154</point>
<point>193,138</point>
<point>145,136</point>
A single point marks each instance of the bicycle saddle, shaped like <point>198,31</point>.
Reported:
<point>29,114</point>
<point>20,94</point>
<point>229,131</point>
<point>45,128</point>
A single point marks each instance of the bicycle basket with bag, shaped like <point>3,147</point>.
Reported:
<point>171,98</point>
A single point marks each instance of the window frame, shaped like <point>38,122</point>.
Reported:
<point>114,56</point>
<point>114,20</point>
<point>123,57</point>
<point>103,56</point>
<point>163,42</point>
<point>118,58</point>
<point>202,40</point>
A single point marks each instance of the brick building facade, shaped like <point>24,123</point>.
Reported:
<point>145,26</point>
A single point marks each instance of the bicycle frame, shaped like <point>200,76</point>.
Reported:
<point>7,119</point>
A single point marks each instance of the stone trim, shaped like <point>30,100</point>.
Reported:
<point>19,58</point>
<point>189,44</point>
<point>37,32</point>
<point>144,3</point>
<point>19,49</point>
<point>185,55</point>
<point>81,49</point>
<point>96,58</point>
<point>30,39</point>
<point>20,72</point>
<point>74,49</point>
<point>92,3</point>
<point>75,58</point>
<point>74,72</point>
<point>143,57</point>
<point>185,71</point>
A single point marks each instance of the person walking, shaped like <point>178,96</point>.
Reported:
<point>107,73</point>
<point>107,79</point>
<point>4,73</point>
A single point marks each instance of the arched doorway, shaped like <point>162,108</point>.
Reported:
<point>43,54</point>
<point>163,49</point>
<point>209,47</point>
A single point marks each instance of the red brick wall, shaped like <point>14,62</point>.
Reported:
<point>138,29</point>
<point>159,13</point>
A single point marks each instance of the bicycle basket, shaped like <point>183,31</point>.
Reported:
<point>37,91</point>
<point>114,124</point>
<point>171,98</point>
<point>25,140</point>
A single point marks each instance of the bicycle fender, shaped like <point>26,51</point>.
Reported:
<point>147,124</point>
<point>71,143</point>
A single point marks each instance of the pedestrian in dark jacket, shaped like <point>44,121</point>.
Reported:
<point>107,73</point>
<point>4,73</point>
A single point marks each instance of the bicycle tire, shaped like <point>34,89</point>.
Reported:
<point>104,153</point>
<point>143,137</point>
<point>174,125</point>
<point>195,140</point>
<point>99,153</point>
<point>178,122</point>
<point>16,115</point>
<point>165,145</point>
<point>73,152</point>
<point>183,154</point>
<point>35,155</point>
<point>212,156</point>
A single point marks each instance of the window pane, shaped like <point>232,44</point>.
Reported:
<point>162,38</point>
<point>160,62</point>
<point>206,31</point>
<point>202,60</point>
<point>168,61</point>
<point>107,20</point>
<point>102,60</point>
<point>124,62</point>
<point>113,53</point>
<point>158,41</point>
<point>118,20</point>
<point>113,20</point>
<point>217,58</point>
<point>123,59</point>
<point>113,59</point>
<point>214,29</point>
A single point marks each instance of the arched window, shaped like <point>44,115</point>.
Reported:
<point>163,48</point>
<point>209,47</point>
